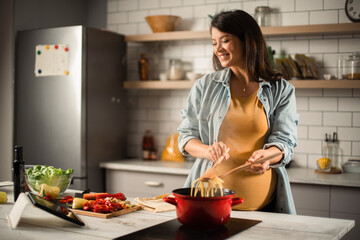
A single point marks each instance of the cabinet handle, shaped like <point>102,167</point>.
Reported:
<point>153,184</point>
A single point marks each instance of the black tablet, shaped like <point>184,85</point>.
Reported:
<point>55,209</point>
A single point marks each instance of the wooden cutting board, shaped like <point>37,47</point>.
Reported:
<point>106,215</point>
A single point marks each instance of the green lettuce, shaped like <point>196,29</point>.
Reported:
<point>49,175</point>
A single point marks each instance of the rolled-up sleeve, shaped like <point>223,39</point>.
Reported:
<point>283,130</point>
<point>189,127</point>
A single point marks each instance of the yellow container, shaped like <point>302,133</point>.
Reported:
<point>171,151</point>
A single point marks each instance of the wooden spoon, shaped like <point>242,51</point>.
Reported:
<point>211,173</point>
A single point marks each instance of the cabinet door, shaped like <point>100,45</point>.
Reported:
<point>311,200</point>
<point>345,199</point>
<point>345,204</point>
<point>140,184</point>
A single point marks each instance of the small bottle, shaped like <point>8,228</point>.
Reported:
<point>148,145</point>
<point>143,67</point>
<point>18,172</point>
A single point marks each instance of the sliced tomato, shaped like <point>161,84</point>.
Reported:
<point>101,208</point>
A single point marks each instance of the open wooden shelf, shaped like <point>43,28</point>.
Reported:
<point>179,84</point>
<point>341,28</point>
<point>186,84</point>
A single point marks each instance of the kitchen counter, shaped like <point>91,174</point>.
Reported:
<point>296,175</point>
<point>309,176</point>
<point>167,167</point>
<point>37,224</point>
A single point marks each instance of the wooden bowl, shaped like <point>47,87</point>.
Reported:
<point>162,23</point>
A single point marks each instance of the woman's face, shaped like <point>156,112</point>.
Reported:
<point>227,48</point>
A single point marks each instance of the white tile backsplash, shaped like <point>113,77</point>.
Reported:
<point>356,120</point>
<point>309,146</point>
<point>159,114</point>
<point>170,3</point>
<point>355,149</point>
<point>202,11</point>
<point>302,132</point>
<point>148,4</point>
<point>229,6</point>
<point>302,103</point>
<point>320,110</point>
<point>334,4</point>
<point>308,5</point>
<point>193,2</point>
<point>112,6</point>
<point>127,5</point>
<point>310,118</point>
<point>324,46</point>
<point>349,104</point>
<point>249,6</point>
<point>337,119</point>
<point>349,45</point>
<point>183,12</point>
<point>283,5</point>
<point>116,17</point>
<point>159,11</point>
<point>349,133</point>
<point>323,104</point>
<point>318,133</point>
<point>137,16</point>
<point>324,17</point>
<point>295,46</point>
<point>295,18</point>
<point>337,92</point>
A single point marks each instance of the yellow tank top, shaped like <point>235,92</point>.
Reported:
<point>244,130</point>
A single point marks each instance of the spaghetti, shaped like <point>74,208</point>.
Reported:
<point>207,188</point>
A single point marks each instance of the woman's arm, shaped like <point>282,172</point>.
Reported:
<point>261,153</point>
<point>199,150</point>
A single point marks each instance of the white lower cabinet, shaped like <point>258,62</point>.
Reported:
<point>142,184</point>
<point>329,201</point>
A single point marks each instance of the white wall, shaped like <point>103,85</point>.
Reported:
<point>321,110</point>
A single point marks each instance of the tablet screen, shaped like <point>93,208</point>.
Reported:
<point>55,209</point>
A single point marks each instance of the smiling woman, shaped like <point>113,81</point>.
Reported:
<point>244,106</point>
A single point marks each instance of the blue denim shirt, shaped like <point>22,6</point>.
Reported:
<point>208,102</point>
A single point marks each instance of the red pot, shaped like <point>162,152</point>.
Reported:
<point>203,212</point>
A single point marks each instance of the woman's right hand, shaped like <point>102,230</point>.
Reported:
<point>216,150</point>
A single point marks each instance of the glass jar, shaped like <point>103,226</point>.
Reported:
<point>175,71</point>
<point>354,66</point>
<point>341,67</point>
<point>262,15</point>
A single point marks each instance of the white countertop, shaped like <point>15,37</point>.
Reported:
<point>296,175</point>
<point>37,224</point>
<point>169,167</point>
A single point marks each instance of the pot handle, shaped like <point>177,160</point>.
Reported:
<point>170,200</point>
<point>236,201</point>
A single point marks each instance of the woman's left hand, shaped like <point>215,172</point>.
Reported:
<point>261,167</point>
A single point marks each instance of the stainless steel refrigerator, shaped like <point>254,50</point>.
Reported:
<point>70,105</point>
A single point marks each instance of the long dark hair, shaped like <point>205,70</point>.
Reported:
<point>244,26</point>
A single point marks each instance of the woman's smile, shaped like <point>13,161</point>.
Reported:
<point>227,48</point>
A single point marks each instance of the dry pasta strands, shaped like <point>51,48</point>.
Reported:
<point>207,188</point>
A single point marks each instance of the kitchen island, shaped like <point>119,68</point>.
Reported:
<point>37,224</point>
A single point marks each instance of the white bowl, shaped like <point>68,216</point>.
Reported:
<point>163,76</point>
<point>193,76</point>
<point>352,166</point>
